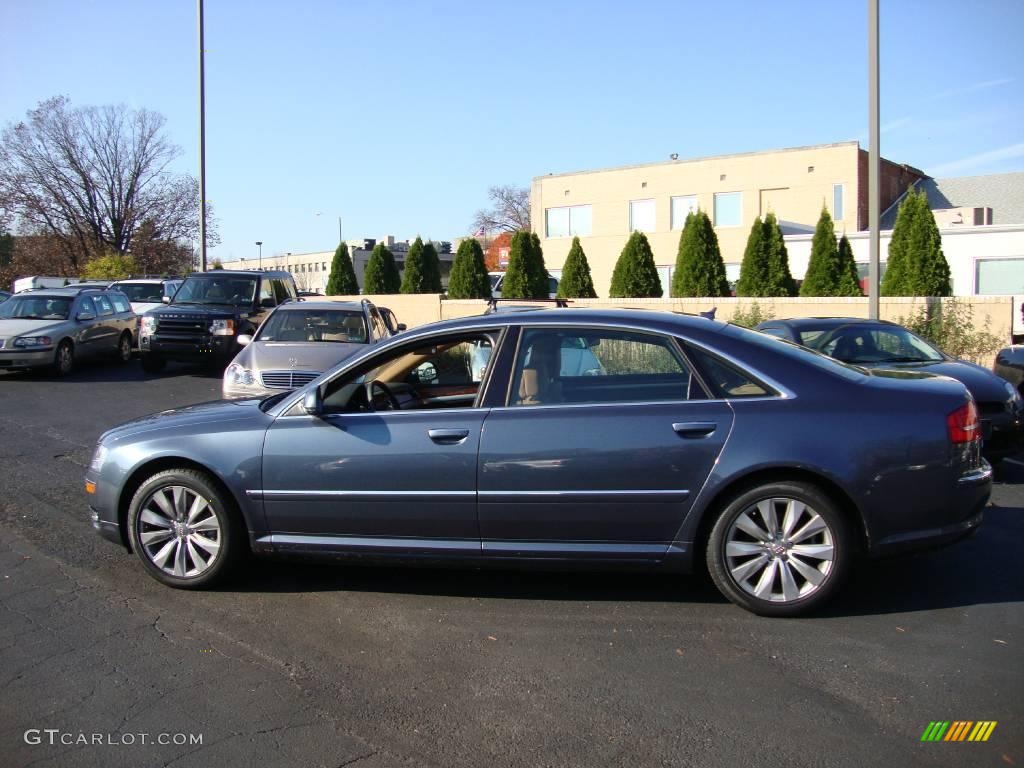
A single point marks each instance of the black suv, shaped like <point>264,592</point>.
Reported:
<point>207,315</point>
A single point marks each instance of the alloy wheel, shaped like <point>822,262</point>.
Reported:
<point>180,531</point>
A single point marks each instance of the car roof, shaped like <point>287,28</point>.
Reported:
<point>292,306</point>
<point>67,291</point>
<point>651,319</point>
<point>147,280</point>
<point>241,273</point>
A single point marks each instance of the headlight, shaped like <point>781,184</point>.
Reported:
<point>98,458</point>
<point>222,327</point>
<point>237,375</point>
<point>148,326</point>
<point>34,341</point>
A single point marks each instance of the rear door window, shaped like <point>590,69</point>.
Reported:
<point>104,306</point>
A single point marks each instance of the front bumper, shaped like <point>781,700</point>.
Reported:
<point>222,348</point>
<point>1003,435</point>
<point>17,358</point>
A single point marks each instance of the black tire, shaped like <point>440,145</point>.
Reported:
<point>124,347</point>
<point>64,358</point>
<point>764,573</point>
<point>187,534</point>
<point>152,362</point>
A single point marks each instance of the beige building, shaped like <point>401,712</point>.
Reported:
<point>602,207</point>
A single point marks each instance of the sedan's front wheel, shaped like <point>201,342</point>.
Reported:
<point>183,529</point>
<point>780,549</point>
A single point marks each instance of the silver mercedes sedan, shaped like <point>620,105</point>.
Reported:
<point>299,341</point>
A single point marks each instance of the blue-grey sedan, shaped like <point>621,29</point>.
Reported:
<point>693,442</point>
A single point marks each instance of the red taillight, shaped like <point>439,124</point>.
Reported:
<point>963,424</point>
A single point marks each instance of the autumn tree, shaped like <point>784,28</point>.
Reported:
<point>468,279</point>
<point>509,211</point>
<point>496,250</point>
<point>700,270</point>
<point>576,282</point>
<point>635,274</point>
<point>342,280</point>
<point>91,176</point>
<point>111,266</point>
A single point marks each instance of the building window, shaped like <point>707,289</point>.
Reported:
<point>682,207</point>
<point>641,216</point>
<point>728,209</point>
<point>567,221</point>
<point>837,201</point>
<point>999,276</point>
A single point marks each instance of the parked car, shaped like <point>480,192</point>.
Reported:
<point>208,313</point>
<point>1009,365</point>
<point>880,344</point>
<point>701,442</point>
<point>55,327</point>
<point>298,342</point>
<point>147,293</point>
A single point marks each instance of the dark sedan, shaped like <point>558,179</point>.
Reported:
<point>881,344</point>
<point>693,442</point>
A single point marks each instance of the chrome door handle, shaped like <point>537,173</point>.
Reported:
<point>691,429</point>
<point>448,436</point>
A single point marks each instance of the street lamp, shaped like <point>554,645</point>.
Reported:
<point>259,244</point>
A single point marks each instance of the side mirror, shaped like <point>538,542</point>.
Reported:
<point>166,299</point>
<point>312,402</point>
<point>85,315</point>
<point>268,303</point>
<point>244,339</point>
<point>402,327</point>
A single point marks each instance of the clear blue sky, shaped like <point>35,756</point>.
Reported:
<point>398,116</point>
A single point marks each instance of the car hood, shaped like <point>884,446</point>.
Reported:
<point>984,385</point>
<point>170,311</point>
<point>141,307</point>
<point>317,356</point>
<point>16,327</point>
<point>188,418</point>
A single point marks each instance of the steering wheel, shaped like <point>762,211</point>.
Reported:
<point>393,403</point>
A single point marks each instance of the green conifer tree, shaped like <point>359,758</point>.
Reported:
<point>415,274</point>
<point>468,279</point>
<point>538,269</point>
<point>823,276</point>
<point>342,280</point>
<point>916,265</point>
<point>699,270</point>
<point>431,269</point>
<point>377,279</point>
<point>780,279</point>
<point>849,280</point>
<point>754,268</point>
<point>517,282</point>
<point>576,282</point>
<point>392,277</point>
<point>635,274</point>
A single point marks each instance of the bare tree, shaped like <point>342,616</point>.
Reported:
<point>90,177</point>
<point>510,211</point>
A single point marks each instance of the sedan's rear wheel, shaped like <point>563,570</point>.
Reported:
<point>183,529</point>
<point>781,549</point>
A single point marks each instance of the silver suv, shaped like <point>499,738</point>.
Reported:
<point>54,327</point>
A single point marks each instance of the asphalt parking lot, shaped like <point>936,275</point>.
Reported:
<point>298,664</point>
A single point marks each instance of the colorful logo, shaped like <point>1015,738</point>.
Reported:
<point>958,730</point>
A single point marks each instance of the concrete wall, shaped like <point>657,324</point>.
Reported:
<point>996,311</point>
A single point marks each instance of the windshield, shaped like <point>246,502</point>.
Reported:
<point>337,325</point>
<point>216,290</point>
<point>141,292</point>
<point>872,345</point>
<point>36,308</point>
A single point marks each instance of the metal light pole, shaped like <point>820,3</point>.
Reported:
<point>202,140</point>
<point>874,163</point>
<point>259,244</point>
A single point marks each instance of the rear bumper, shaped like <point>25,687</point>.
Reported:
<point>971,495</point>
